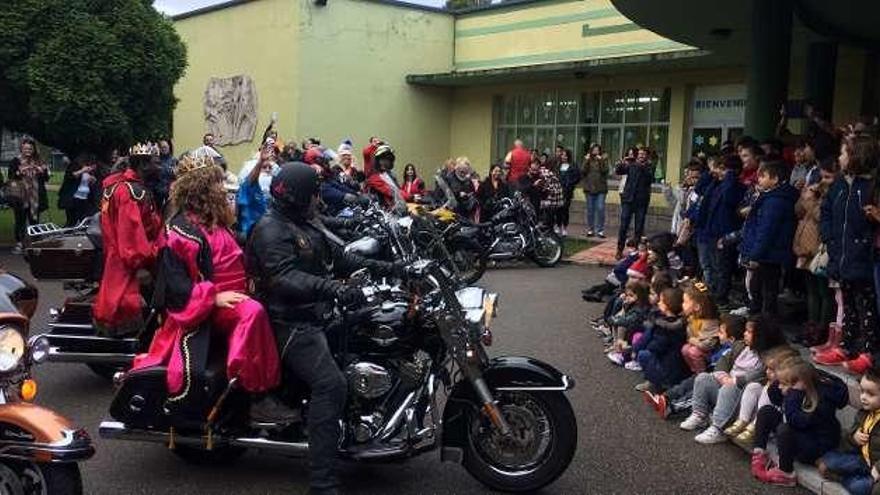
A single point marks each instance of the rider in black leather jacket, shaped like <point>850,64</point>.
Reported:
<point>291,256</point>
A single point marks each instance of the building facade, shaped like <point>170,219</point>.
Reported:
<point>439,85</point>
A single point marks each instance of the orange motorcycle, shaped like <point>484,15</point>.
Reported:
<point>39,449</point>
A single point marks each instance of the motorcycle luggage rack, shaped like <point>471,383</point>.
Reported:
<point>42,231</point>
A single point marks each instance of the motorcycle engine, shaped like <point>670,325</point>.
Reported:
<point>368,380</point>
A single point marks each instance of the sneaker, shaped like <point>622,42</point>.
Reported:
<point>831,357</point>
<point>17,249</point>
<point>633,365</point>
<point>590,233</point>
<point>859,365</point>
<point>759,463</point>
<point>778,477</point>
<point>601,234</point>
<point>747,437</point>
<point>742,311</point>
<point>711,435</point>
<point>616,358</point>
<point>643,387</point>
<point>682,404</point>
<point>736,428</point>
<point>694,421</point>
<point>564,232</point>
<point>663,408</point>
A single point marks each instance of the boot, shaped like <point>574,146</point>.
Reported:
<point>835,335</point>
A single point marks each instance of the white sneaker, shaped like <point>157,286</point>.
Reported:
<point>633,365</point>
<point>564,232</point>
<point>616,358</point>
<point>694,421</point>
<point>742,312</point>
<point>711,435</point>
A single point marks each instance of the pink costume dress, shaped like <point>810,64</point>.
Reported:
<point>252,353</point>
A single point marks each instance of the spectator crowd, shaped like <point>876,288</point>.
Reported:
<point>704,312</point>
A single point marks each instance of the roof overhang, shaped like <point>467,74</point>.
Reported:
<point>579,69</point>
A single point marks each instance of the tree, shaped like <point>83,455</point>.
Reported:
<point>88,75</point>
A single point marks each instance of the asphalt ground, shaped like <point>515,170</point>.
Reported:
<point>622,446</point>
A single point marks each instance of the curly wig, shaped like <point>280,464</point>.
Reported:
<point>198,190</point>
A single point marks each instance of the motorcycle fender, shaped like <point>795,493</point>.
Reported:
<point>54,437</point>
<point>504,373</point>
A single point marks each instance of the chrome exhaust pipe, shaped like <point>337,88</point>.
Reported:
<point>501,256</point>
<point>57,355</point>
<point>114,430</point>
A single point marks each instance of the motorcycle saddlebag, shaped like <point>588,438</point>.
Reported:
<point>142,401</point>
<point>62,258</point>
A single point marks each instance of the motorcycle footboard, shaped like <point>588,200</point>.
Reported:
<point>90,349</point>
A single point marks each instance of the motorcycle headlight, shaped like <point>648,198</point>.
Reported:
<point>39,349</point>
<point>12,348</point>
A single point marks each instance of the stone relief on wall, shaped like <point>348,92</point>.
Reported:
<point>231,109</point>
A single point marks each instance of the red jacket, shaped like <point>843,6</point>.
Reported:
<point>130,225</point>
<point>410,189</point>
<point>375,184</point>
<point>369,151</point>
<point>520,159</point>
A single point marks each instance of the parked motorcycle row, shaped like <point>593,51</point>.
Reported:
<point>420,377</point>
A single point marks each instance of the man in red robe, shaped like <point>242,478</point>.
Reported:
<point>369,152</point>
<point>130,226</point>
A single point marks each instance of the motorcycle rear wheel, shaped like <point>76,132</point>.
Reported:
<point>548,250</point>
<point>540,448</point>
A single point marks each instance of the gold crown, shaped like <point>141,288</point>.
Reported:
<point>144,149</point>
<point>190,163</point>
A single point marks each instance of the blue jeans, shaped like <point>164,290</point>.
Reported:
<point>595,214</point>
<point>853,470</point>
<point>706,253</point>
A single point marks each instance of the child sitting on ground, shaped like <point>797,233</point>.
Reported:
<point>717,394</point>
<point>754,396</point>
<point>658,351</point>
<point>806,429</point>
<point>660,281</point>
<point>702,315</point>
<point>616,279</point>
<point>629,320</point>
<point>859,467</point>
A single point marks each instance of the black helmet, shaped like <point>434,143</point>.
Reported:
<point>293,188</point>
<point>384,152</point>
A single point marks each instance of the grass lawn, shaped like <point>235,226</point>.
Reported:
<point>572,246</point>
<point>7,219</point>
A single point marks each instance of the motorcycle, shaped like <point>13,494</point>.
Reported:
<point>39,449</point>
<point>515,233</point>
<point>73,256</point>
<point>506,419</point>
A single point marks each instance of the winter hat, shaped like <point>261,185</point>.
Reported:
<point>313,156</point>
<point>344,149</point>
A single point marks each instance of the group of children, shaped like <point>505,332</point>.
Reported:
<point>737,376</point>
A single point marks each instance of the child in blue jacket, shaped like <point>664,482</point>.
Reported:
<point>767,236</point>
<point>846,228</point>
<point>659,350</point>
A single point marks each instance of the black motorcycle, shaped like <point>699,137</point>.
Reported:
<point>73,256</point>
<point>515,233</point>
<point>414,359</point>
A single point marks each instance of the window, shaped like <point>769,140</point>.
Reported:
<point>614,119</point>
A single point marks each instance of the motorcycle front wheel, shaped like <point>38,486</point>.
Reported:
<point>547,251</point>
<point>28,478</point>
<point>538,450</point>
